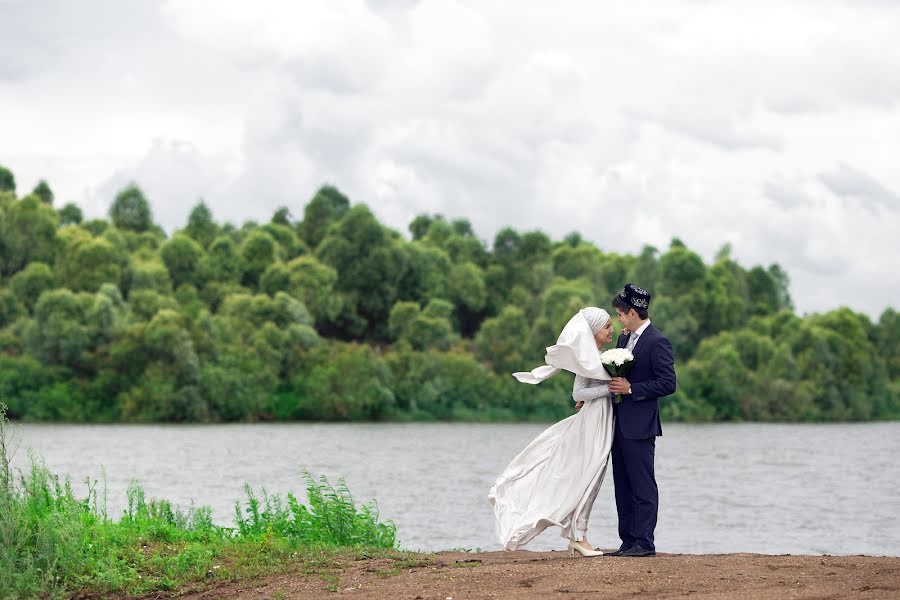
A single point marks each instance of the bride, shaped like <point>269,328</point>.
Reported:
<point>555,479</point>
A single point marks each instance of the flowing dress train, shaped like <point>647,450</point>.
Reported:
<point>555,479</point>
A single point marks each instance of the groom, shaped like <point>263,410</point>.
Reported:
<point>637,424</point>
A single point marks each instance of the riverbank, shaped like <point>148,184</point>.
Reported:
<point>529,575</point>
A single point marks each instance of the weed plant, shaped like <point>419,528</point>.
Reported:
<point>331,517</point>
<point>53,544</point>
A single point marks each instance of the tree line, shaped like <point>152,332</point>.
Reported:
<point>334,316</point>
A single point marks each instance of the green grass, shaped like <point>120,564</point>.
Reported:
<point>53,544</point>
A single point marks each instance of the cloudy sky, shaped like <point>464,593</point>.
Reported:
<point>773,127</point>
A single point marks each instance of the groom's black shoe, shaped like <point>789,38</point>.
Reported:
<point>637,550</point>
<point>617,552</point>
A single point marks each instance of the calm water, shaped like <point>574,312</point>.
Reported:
<point>830,489</point>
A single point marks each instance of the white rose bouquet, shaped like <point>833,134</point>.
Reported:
<point>617,362</point>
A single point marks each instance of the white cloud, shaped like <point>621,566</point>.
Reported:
<point>854,185</point>
<point>773,128</point>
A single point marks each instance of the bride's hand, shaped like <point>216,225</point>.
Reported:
<point>578,405</point>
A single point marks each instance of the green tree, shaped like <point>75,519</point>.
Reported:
<point>645,269</point>
<point>422,329</point>
<point>43,191</point>
<point>222,262</point>
<point>717,376</point>
<point>573,262</point>
<point>444,385</point>
<point>282,216</point>
<point>7,180</point>
<point>328,206</point>
<point>130,210</point>
<point>289,245</point>
<point>507,246</point>
<point>276,278</point>
<point>236,385</point>
<point>86,263</point>
<point>767,290</point>
<point>313,283</point>
<point>70,214</point>
<point>681,271</point>
<point>149,274</point>
<point>145,303</point>
<point>418,227</point>
<point>370,265</point>
<point>71,347</point>
<point>559,302</point>
<point>258,251</point>
<point>467,249</point>
<point>426,274</point>
<point>432,328</point>
<point>887,341</point>
<point>401,318</point>
<point>182,256</point>
<point>11,309</point>
<point>58,335</point>
<point>166,389</point>
<point>201,226</point>
<point>501,340</point>
<point>534,246</point>
<point>679,323</point>
<point>22,382</point>
<point>344,382</point>
<point>27,233</point>
<point>782,287</point>
<point>467,290</point>
<point>107,314</point>
<point>30,283</point>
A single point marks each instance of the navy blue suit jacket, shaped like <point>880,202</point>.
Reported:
<point>652,376</point>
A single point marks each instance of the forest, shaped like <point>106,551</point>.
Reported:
<point>331,315</point>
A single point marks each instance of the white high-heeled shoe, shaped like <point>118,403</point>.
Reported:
<point>576,547</point>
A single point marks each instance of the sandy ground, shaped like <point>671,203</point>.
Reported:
<point>527,575</point>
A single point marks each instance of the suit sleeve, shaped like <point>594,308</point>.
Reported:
<point>662,383</point>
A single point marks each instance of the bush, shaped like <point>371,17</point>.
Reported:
<point>331,517</point>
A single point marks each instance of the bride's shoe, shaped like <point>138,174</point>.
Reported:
<point>576,547</point>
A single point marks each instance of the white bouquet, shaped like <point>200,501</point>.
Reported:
<point>617,362</point>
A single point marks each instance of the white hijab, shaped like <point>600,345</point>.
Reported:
<point>575,350</point>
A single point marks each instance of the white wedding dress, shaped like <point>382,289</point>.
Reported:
<point>555,479</point>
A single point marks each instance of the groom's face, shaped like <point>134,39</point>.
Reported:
<point>628,319</point>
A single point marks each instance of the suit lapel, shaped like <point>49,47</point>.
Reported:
<point>642,339</point>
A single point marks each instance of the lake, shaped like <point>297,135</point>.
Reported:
<point>777,489</point>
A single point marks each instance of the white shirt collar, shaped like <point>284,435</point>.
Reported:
<point>637,332</point>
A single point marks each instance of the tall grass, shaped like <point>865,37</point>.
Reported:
<point>331,517</point>
<point>55,544</point>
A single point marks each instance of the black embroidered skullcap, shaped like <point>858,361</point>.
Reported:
<point>635,296</point>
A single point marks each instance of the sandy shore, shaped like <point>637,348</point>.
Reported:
<point>528,575</point>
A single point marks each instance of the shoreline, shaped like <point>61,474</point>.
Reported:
<point>530,575</point>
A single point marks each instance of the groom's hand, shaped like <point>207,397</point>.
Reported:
<point>578,405</point>
<point>619,385</point>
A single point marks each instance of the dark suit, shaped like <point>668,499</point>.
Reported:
<point>652,376</point>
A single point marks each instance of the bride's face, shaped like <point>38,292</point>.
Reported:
<point>604,336</point>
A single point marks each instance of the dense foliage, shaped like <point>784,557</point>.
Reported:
<point>337,317</point>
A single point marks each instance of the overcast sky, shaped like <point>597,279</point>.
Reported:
<point>774,127</point>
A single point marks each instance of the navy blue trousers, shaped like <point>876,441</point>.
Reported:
<point>637,498</point>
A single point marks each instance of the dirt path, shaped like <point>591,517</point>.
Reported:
<point>528,575</point>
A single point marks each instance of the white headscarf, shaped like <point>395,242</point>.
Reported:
<point>575,350</point>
